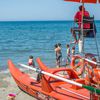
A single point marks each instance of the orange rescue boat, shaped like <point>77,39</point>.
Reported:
<point>48,89</point>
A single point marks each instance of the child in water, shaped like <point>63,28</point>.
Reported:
<point>31,61</point>
<point>73,50</point>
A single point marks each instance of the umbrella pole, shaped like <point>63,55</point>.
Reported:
<point>81,40</point>
<point>82,36</point>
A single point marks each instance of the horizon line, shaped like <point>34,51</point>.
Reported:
<point>34,20</point>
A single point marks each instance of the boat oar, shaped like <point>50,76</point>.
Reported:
<point>93,62</point>
<point>90,88</point>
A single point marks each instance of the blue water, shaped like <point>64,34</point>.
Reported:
<point>18,40</point>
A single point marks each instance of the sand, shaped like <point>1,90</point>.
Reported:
<point>8,85</point>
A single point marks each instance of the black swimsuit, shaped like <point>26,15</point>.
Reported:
<point>58,56</point>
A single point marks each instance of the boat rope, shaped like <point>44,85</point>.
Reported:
<point>73,92</point>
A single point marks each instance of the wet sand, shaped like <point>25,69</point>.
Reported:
<point>8,85</point>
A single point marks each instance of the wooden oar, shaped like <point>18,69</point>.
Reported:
<point>90,88</point>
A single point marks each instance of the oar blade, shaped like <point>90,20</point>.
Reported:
<point>92,89</point>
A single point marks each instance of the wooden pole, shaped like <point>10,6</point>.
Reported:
<point>82,31</point>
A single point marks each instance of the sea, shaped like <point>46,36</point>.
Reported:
<point>20,39</point>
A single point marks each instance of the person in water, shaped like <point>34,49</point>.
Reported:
<point>73,50</point>
<point>68,54</point>
<point>31,61</point>
<point>58,54</point>
<point>78,20</point>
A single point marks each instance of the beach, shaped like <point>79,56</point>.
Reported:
<point>8,85</point>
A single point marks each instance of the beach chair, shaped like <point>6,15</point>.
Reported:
<point>91,33</point>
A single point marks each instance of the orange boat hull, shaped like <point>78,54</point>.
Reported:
<point>47,90</point>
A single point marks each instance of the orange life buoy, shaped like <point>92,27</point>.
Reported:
<point>77,63</point>
<point>73,61</point>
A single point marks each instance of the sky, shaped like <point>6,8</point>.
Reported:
<point>27,10</point>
